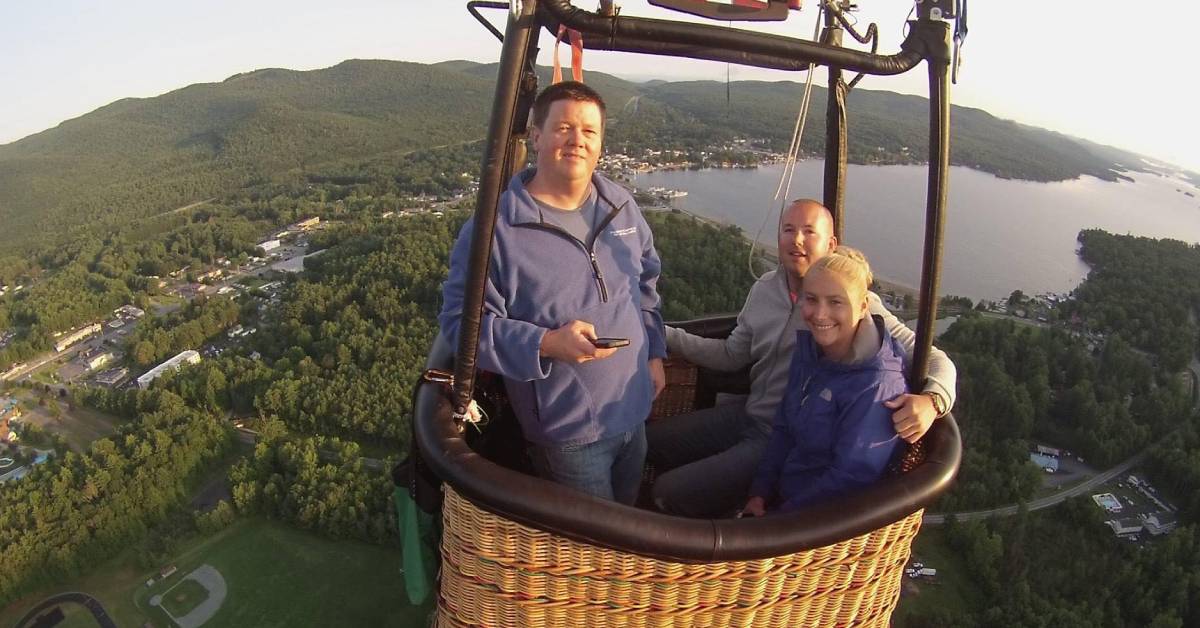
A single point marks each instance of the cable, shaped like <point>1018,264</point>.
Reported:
<point>789,165</point>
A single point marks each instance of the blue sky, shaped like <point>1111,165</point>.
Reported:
<point>1057,65</point>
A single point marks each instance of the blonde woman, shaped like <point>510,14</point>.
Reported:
<point>832,433</point>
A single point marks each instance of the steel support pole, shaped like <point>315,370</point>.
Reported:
<point>497,152</point>
<point>938,58</point>
<point>835,132</point>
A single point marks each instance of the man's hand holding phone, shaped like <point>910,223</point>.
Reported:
<point>576,342</point>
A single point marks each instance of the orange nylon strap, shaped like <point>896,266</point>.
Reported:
<point>576,55</point>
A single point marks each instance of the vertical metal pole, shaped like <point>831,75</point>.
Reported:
<point>517,35</point>
<point>835,130</point>
<point>938,58</point>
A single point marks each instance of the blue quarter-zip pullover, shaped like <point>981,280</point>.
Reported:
<point>541,278</point>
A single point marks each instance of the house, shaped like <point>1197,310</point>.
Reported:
<point>1123,527</point>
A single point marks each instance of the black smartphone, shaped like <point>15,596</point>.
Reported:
<point>610,343</point>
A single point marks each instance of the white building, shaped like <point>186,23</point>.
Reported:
<point>76,336</point>
<point>1123,527</point>
<point>186,357</point>
<point>1156,526</point>
<point>96,359</point>
<point>130,311</point>
<point>269,245</point>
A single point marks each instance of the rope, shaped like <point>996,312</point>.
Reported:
<point>789,164</point>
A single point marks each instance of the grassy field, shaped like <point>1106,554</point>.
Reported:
<point>276,576</point>
<point>80,426</point>
<point>953,589</point>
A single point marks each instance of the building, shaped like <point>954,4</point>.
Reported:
<point>307,223</point>
<point>112,377</point>
<point>9,409</point>
<point>1048,451</point>
<point>1123,527</point>
<point>96,358</point>
<point>1156,526</point>
<point>129,311</point>
<point>186,357</point>
<point>76,336</point>
<point>269,245</point>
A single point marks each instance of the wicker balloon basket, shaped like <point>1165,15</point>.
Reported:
<point>499,573</point>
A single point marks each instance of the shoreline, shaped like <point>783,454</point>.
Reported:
<point>767,252</point>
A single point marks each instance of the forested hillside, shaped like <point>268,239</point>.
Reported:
<point>138,158</point>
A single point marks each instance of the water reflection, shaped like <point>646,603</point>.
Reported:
<point>1001,235</point>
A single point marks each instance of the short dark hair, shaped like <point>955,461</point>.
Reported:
<point>564,90</point>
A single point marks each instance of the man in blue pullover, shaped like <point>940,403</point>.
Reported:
<point>573,260</point>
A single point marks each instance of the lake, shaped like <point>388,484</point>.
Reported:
<point>1001,234</point>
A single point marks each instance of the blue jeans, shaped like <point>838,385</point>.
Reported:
<point>705,460</point>
<point>610,468</point>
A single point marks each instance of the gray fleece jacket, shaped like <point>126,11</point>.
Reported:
<point>764,338</point>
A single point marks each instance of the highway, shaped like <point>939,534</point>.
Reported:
<point>1086,486</point>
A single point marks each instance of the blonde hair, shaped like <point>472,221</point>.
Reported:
<point>850,264</point>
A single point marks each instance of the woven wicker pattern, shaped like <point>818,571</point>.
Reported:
<point>498,573</point>
<point>680,394</point>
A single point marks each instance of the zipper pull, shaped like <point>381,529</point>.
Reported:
<point>599,276</point>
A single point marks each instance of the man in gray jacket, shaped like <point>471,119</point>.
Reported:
<point>707,459</point>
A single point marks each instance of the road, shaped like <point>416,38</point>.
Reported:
<point>1086,486</point>
<point>106,333</point>
<point>1045,502</point>
<point>116,337</point>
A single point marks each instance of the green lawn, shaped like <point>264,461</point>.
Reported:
<point>280,576</point>
<point>78,425</point>
<point>953,590</point>
<point>276,576</point>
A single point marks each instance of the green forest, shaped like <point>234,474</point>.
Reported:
<point>340,351</point>
<point>174,184</point>
<point>134,162</point>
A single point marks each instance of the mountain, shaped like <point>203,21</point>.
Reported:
<point>137,158</point>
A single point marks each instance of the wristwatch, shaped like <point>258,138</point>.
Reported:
<point>939,404</point>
